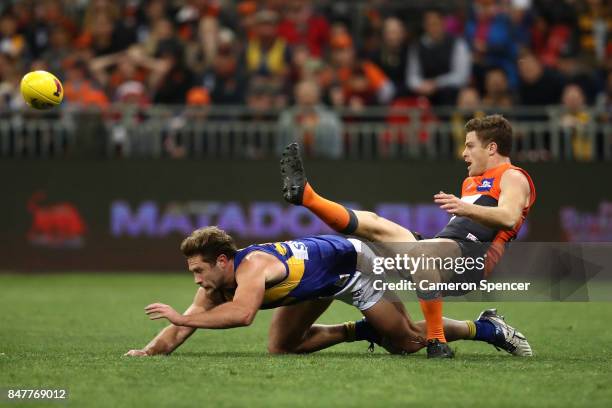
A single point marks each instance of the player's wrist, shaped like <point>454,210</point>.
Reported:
<point>470,210</point>
<point>182,320</point>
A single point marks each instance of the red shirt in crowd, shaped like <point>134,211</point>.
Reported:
<point>315,35</point>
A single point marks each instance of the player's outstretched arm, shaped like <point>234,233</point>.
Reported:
<point>171,337</point>
<point>513,199</point>
<point>240,312</point>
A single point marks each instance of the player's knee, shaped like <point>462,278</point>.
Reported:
<point>274,349</point>
<point>374,227</point>
<point>279,348</point>
<point>425,274</point>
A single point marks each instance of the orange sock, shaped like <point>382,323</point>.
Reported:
<point>337,216</point>
<point>432,310</point>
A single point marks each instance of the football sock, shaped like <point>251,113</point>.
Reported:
<point>432,310</point>
<point>350,331</point>
<point>365,331</point>
<point>338,217</point>
<point>360,330</point>
<point>481,330</point>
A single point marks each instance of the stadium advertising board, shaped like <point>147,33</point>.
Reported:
<point>104,216</point>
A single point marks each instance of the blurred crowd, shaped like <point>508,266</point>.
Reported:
<point>311,57</point>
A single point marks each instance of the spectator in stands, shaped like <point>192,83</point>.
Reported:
<point>104,32</point>
<point>553,30</point>
<point>132,93</point>
<point>303,65</point>
<point>60,48</point>
<point>521,17</point>
<point>538,84</point>
<point>198,16</point>
<point>604,100</point>
<point>198,96</point>
<point>439,64</point>
<point>595,30</point>
<point>46,19</point>
<point>10,78</point>
<point>302,26</point>
<point>162,30</point>
<point>11,41</point>
<point>318,130</point>
<point>392,57</point>
<point>357,83</point>
<point>490,35</point>
<point>112,71</point>
<point>372,26</point>
<point>244,20</point>
<point>79,91</point>
<point>577,71</point>
<point>150,12</point>
<point>225,81</point>
<point>574,124</point>
<point>497,92</point>
<point>176,138</point>
<point>469,99</point>
<point>469,105</point>
<point>201,52</point>
<point>260,96</point>
<point>263,99</point>
<point>173,86</point>
<point>266,53</point>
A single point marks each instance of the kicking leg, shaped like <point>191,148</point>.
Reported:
<point>364,224</point>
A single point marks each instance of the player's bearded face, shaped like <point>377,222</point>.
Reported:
<point>475,155</point>
<point>206,275</point>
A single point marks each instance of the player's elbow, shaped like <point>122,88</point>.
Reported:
<point>509,222</point>
<point>245,317</point>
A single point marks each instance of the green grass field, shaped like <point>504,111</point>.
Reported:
<point>70,331</point>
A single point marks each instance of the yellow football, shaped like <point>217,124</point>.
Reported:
<point>41,90</point>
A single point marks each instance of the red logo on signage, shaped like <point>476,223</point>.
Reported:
<point>55,225</point>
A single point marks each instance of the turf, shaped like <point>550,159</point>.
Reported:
<point>70,331</point>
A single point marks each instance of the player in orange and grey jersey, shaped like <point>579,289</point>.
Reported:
<point>496,198</point>
<point>485,190</point>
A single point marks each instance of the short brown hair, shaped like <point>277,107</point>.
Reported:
<point>492,128</point>
<point>209,242</point>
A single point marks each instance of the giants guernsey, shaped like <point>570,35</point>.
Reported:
<point>315,267</point>
<point>485,190</point>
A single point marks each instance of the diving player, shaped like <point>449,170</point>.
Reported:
<point>301,278</point>
<point>495,200</point>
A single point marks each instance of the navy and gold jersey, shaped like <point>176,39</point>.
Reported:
<point>315,267</point>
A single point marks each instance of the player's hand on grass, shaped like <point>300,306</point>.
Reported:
<point>162,311</point>
<point>136,353</point>
<point>452,204</point>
